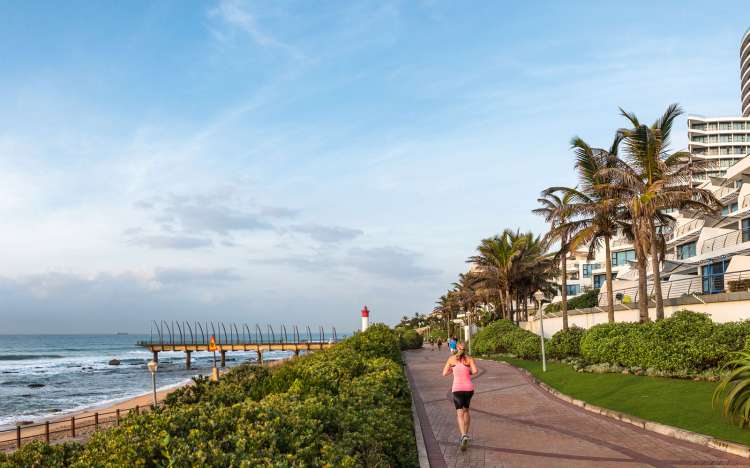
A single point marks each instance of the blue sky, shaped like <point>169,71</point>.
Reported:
<point>276,161</point>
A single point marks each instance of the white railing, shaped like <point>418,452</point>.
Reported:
<point>724,191</point>
<point>725,240</point>
<point>685,229</point>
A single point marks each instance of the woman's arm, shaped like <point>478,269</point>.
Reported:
<point>473,365</point>
<point>448,369</point>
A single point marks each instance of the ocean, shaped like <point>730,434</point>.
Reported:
<point>44,376</point>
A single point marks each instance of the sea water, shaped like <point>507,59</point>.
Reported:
<point>43,376</point>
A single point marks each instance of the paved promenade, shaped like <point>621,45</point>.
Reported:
<point>515,424</point>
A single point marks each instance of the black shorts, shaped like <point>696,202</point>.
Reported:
<point>462,399</point>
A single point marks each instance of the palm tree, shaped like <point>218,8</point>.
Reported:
<point>594,206</point>
<point>465,290</point>
<point>647,181</point>
<point>508,268</point>
<point>494,268</point>
<point>557,211</point>
<point>534,270</point>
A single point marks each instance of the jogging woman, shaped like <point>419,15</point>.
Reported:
<point>462,366</point>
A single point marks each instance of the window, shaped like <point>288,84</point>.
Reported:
<point>599,281</point>
<point>725,126</point>
<point>729,209</point>
<point>746,230</point>
<point>573,289</point>
<point>713,277</point>
<point>621,258</point>
<point>686,251</point>
<point>739,125</point>
<point>588,268</point>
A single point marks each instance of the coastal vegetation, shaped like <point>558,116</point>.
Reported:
<point>346,406</point>
<point>409,338</point>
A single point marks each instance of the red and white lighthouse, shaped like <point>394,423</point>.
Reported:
<point>365,318</point>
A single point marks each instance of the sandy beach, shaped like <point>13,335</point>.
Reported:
<point>88,420</point>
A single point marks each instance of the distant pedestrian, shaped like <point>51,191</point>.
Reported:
<point>452,344</point>
<point>440,344</point>
<point>432,343</point>
<point>462,366</point>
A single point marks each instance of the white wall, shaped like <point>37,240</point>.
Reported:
<point>720,312</point>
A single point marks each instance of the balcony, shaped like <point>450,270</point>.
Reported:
<point>699,285</point>
<point>685,229</point>
<point>725,240</point>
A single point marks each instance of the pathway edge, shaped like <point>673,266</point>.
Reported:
<point>651,426</point>
<point>424,462</point>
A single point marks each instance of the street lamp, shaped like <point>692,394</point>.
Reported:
<point>152,367</point>
<point>538,296</point>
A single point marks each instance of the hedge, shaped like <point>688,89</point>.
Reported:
<point>687,341</point>
<point>409,338</point>
<point>583,301</point>
<point>565,344</point>
<point>346,406</point>
<point>503,336</point>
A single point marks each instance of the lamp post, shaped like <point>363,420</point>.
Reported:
<point>152,367</point>
<point>538,296</point>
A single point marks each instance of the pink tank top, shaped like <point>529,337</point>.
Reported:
<point>462,378</point>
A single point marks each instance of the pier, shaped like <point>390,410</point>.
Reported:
<point>189,337</point>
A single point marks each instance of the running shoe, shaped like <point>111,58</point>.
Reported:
<point>464,442</point>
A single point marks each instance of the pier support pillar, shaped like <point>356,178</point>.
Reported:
<point>156,356</point>
<point>223,358</point>
<point>187,359</point>
<point>260,358</point>
<point>296,353</point>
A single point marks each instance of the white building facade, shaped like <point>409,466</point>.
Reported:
<point>704,254</point>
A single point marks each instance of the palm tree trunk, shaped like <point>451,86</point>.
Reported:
<point>509,305</point>
<point>642,284</point>
<point>564,292</point>
<point>610,293</point>
<point>657,273</point>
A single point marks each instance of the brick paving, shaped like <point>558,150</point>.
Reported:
<point>515,424</point>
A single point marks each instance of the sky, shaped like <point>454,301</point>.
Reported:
<point>289,162</point>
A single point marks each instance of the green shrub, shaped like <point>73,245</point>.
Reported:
<point>566,343</point>
<point>409,338</point>
<point>503,336</point>
<point>584,301</point>
<point>687,341</point>
<point>346,406</point>
<point>436,334</point>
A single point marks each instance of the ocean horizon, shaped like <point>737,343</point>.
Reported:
<point>44,376</point>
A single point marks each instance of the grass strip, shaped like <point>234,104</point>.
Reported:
<point>681,403</point>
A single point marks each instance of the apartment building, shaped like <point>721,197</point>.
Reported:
<point>724,141</point>
<point>704,254</point>
<point>745,73</point>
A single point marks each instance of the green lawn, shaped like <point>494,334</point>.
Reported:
<point>680,403</point>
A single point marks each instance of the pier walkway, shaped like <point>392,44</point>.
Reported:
<point>188,337</point>
<point>516,424</point>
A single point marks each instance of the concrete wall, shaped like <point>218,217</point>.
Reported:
<point>726,307</point>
